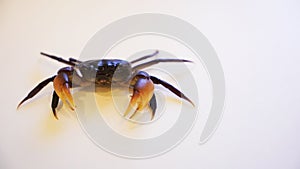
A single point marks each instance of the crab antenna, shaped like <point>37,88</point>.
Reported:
<point>59,59</point>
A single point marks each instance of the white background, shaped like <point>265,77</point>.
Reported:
<point>257,43</point>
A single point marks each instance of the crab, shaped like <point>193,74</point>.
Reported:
<point>103,73</point>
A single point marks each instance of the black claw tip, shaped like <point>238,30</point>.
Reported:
<point>54,113</point>
<point>20,103</point>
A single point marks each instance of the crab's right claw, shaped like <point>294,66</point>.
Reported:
<point>142,96</point>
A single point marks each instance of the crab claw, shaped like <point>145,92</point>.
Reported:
<point>62,87</point>
<point>142,94</point>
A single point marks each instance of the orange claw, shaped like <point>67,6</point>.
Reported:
<point>142,94</point>
<point>62,88</point>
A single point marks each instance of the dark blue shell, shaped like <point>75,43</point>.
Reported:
<point>104,72</point>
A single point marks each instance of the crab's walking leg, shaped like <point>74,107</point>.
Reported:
<point>54,103</point>
<point>145,57</point>
<point>171,88</point>
<point>156,61</point>
<point>74,60</point>
<point>38,88</point>
<point>153,106</point>
<point>142,94</point>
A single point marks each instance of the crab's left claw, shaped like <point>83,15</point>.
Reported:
<point>142,95</point>
<point>62,85</point>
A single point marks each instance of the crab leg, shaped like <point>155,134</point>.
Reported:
<point>54,103</point>
<point>145,57</point>
<point>58,59</point>
<point>171,88</point>
<point>156,61</point>
<point>38,88</point>
<point>153,105</point>
<point>74,60</point>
